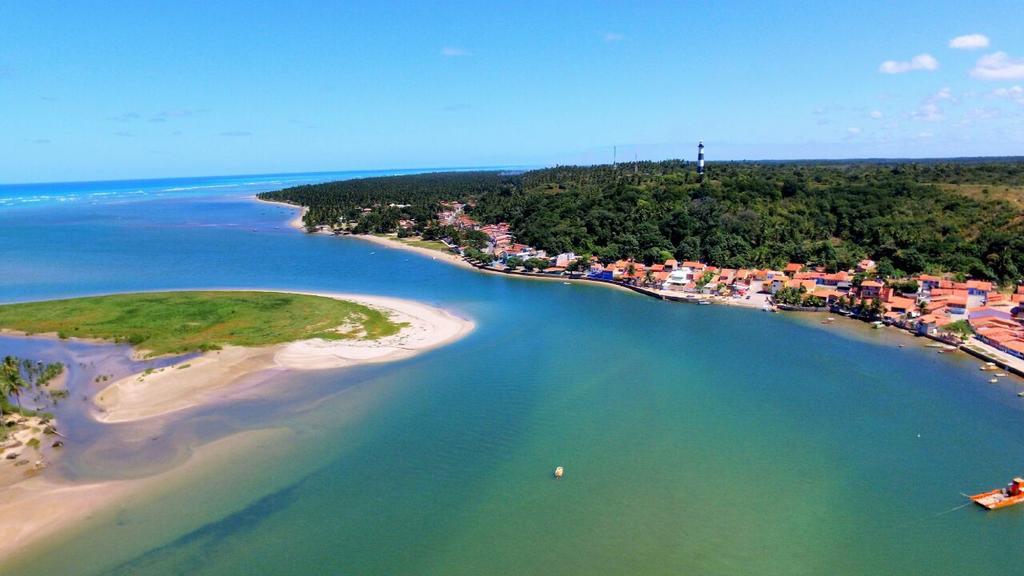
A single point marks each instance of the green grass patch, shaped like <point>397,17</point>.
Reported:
<point>429,244</point>
<point>179,322</point>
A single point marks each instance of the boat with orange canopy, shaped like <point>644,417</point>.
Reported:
<point>1002,497</point>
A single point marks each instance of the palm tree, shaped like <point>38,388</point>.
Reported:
<point>648,277</point>
<point>15,384</point>
<point>4,391</point>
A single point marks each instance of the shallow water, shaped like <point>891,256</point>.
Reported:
<point>703,440</point>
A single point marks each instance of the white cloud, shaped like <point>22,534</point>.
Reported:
<point>1014,93</point>
<point>998,66</point>
<point>930,110</point>
<point>877,114</point>
<point>452,52</point>
<point>613,36</point>
<point>981,113</point>
<point>919,62</point>
<point>853,131</point>
<point>969,42</point>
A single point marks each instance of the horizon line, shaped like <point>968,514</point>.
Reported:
<point>499,167</point>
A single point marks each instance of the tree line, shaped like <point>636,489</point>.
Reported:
<point>907,216</point>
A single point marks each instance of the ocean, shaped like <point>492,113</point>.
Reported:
<point>695,439</point>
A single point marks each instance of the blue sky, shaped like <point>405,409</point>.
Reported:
<point>98,90</point>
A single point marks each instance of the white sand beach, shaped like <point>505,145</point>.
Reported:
<point>33,506</point>
<point>193,382</point>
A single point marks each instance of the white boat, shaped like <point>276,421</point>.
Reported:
<point>993,381</point>
<point>704,302</point>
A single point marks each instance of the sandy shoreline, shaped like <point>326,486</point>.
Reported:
<point>458,261</point>
<point>398,245</point>
<point>195,381</point>
<point>295,222</point>
<point>39,507</point>
<point>389,242</point>
<point>35,507</point>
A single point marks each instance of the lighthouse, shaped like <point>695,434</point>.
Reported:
<point>700,160</point>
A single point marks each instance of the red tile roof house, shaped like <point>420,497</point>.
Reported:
<point>901,305</point>
<point>726,276</point>
<point>829,294</point>
<point>980,288</point>
<point>955,303</point>
<point>775,284</point>
<point>792,268</point>
<point>1004,334</point>
<point>928,282</point>
<point>988,315</point>
<point>871,289</point>
<point>931,322</point>
<point>841,280</point>
<point>1015,347</point>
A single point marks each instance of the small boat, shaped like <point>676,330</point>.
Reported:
<point>704,302</point>
<point>559,472</point>
<point>1001,497</point>
<point>567,283</point>
<point>994,381</point>
<point>1020,394</point>
<point>989,366</point>
<point>1001,374</point>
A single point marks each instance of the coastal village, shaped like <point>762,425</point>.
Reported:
<point>959,311</point>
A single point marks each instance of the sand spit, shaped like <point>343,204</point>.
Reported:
<point>196,381</point>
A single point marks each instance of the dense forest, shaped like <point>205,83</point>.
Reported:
<point>418,195</point>
<point>911,217</point>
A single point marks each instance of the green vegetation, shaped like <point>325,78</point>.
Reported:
<point>962,328</point>
<point>428,244</point>
<point>910,217</point>
<point>416,196</point>
<point>19,377</point>
<point>180,322</point>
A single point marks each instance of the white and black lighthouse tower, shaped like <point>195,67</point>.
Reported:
<point>700,160</point>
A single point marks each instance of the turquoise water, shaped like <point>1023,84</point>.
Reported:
<point>696,439</point>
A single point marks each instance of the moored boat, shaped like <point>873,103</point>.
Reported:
<point>559,472</point>
<point>1001,497</point>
